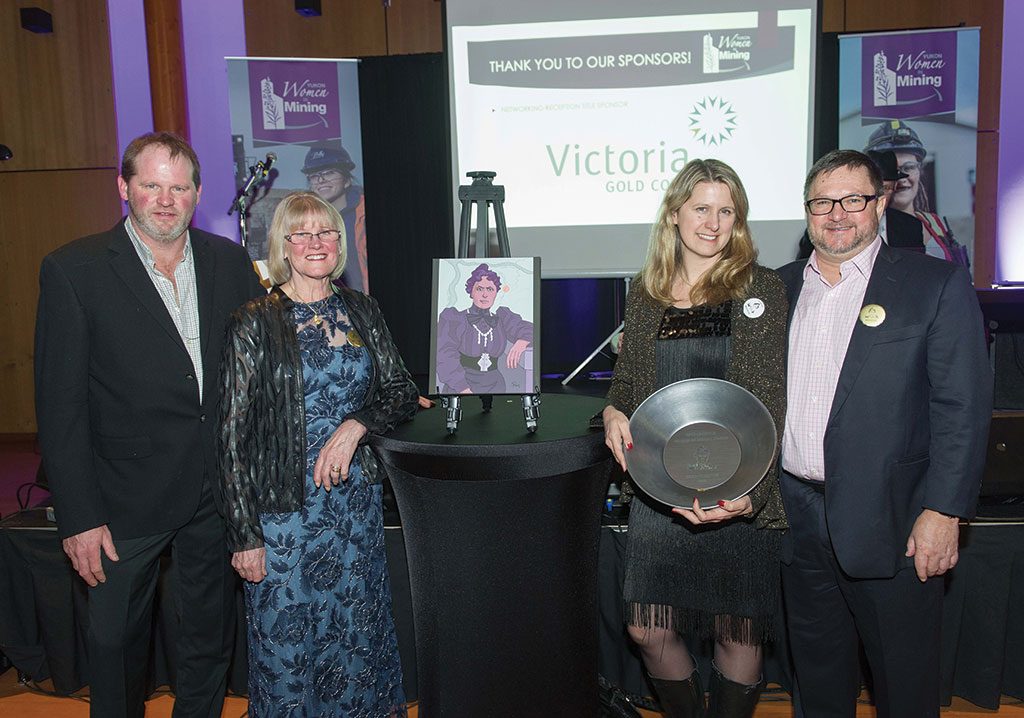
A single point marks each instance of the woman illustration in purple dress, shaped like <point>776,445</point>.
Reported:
<point>472,343</point>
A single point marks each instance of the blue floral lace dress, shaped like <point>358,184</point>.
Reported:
<point>321,633</point>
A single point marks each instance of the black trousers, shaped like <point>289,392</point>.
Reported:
<point>898,620</point>
<point>121,616</point>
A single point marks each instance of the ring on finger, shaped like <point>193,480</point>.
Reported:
<point>335,469</point>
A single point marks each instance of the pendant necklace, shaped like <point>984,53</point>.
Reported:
<point>483,337</point>
<point>317,318</point>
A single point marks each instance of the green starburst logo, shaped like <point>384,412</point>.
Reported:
<point>712,121</point>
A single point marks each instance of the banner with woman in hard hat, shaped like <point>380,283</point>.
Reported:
<point>916,94</point>
<point>305,112</point>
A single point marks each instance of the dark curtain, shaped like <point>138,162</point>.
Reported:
<point>826,95</point>
<point>403,103</point>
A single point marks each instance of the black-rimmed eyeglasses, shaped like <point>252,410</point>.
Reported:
<point>327,236</point>
<point>850,203</point>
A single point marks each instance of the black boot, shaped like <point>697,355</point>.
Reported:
<point>615,703</point>
<point>728,699</point>
<point>680,699</point>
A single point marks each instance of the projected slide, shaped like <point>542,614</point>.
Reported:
<point>586,120</point>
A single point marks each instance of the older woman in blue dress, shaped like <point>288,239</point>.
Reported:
<point>308,371</point>
<point>472,342</point>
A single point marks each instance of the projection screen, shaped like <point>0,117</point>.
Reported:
<point>586,109</point>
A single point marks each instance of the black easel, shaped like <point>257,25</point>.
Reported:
<point>485,195</point>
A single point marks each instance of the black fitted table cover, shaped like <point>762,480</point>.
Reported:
<point>501,530</point>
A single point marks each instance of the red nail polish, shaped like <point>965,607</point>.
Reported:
<point>722,504</point>
<point>629,446</point>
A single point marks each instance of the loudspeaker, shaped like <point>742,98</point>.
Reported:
<point>1003,475</point>
<point>37,20</point>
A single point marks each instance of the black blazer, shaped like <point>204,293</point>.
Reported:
<point>125,440</point>
<point>909,420</point>
<point>902,230</point>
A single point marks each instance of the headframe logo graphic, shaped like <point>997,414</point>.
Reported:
<point>273,106</point>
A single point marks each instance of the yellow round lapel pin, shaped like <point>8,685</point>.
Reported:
<point>871,315</point>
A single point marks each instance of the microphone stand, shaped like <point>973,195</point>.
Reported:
<point>257,174</point>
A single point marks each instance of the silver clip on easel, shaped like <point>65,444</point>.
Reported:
<point>485,195</point>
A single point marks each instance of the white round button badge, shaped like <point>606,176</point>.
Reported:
<point>753,308</point>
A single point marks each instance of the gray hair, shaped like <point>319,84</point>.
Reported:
<point>851,159</point>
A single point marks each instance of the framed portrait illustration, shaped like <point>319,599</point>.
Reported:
<point>485,333</point>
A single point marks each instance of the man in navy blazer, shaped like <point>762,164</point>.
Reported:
<point>128,343</point>
<point>889,402</point>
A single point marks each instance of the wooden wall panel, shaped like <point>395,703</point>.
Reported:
<point>167,66</point>
<point>862,15</point>
<point>347,28</point>
<point>31,229</point>
<point>833,16</point>
<point>414,26</point>
<point>57,109</point>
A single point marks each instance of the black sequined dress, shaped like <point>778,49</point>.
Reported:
<point>706,582</point>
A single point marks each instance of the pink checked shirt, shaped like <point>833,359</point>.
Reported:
<point>819,334</point>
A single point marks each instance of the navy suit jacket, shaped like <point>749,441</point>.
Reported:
<point>909,420</point>
<point>124,437</point>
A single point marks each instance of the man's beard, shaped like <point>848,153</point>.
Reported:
<point>862,237</point>
<point>154,232</point>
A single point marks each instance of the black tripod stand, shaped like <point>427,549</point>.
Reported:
<point>485,195</point>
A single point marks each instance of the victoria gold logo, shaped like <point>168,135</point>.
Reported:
<point>712,121</point>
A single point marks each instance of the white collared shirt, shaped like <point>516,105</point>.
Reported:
<point>819,335</point>
<point>183,304</point>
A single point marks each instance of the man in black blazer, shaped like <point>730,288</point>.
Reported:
<point>889,402</point>
<point>128,341</point>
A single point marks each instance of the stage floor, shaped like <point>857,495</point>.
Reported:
<point>18,700</point>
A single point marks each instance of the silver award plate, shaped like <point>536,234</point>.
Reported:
<point>704,438</point>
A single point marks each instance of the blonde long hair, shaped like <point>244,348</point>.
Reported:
<point>731,275</point>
